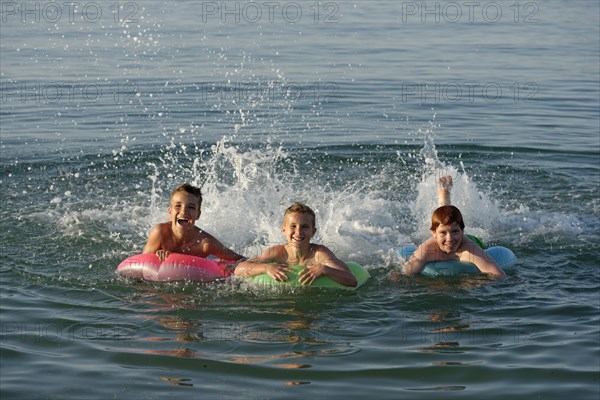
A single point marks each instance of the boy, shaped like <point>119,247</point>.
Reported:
<point>298,228</point>
<point>448,241</point>
<point>180,235</point>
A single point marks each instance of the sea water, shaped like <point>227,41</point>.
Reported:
<point>354,108</point>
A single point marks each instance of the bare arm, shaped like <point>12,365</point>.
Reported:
<point>444,186</point>
<point>331,266</point>
<point>154,240</point>
<point>416,262</point>
<point>482,260</point>
<point>211,246</point>
<point>427,252</point>
<point>413,266</point>
<point>270,262</point>
<point>490,267</point>
<point>154,244</point>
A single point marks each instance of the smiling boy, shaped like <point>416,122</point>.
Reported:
<point>298,228</point>
<point>448,242</point>
<point>180,234</point>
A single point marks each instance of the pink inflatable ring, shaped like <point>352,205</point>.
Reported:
<point>177,267</point>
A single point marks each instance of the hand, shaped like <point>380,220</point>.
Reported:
<point>445,182</point>
<point>444,186</point>
<point>307,276</point>
<point>227,267</point>
<point>278,271</point>
<point>162,254</point>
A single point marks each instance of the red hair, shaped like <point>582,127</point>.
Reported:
<point>446,215</point>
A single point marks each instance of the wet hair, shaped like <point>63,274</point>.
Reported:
<point>446,215</point>
<point>187,188</point>
<point>300,209</point>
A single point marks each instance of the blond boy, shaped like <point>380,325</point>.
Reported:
<point>298,228</point>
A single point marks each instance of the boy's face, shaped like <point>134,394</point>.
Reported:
<point>298,229</point>
<point>448,237</point>
<point>184,210</point>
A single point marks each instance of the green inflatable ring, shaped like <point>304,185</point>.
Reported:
<point>359,272</point>
<point>476,240</point>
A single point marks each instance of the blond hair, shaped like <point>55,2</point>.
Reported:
<point>300,209</point>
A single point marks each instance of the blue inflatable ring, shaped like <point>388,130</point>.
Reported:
<point>503,256</point>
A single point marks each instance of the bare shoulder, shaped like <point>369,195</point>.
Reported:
<point>159,237</point>
<point>430,243</point>
<point>427,249</point>
<point>430,251</point>
<point>321,249</point>
<point>162,229</point>
<point>471,252</point>
<point>277,253</point>
<point>209,244</point>
<point>202,235</point>
<point>323,253</point>
<point>470,247</point>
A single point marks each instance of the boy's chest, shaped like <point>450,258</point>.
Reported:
<point>308,259</point>
<point>191,246</point>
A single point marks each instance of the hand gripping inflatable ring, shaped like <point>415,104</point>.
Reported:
<point>359,272</point>
<point>503,256</point>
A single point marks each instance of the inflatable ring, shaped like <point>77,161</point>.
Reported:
<point>503,256</point>
<point>359,272</point>
<point>476,240</point>
<point>177,267</point>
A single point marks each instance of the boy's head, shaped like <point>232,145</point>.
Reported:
<point>299,208</point>
<point>299,225</point>
<point>447,227</point>
<point>190,189</point>
<point>184,206</point>
<point>446,215</point>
